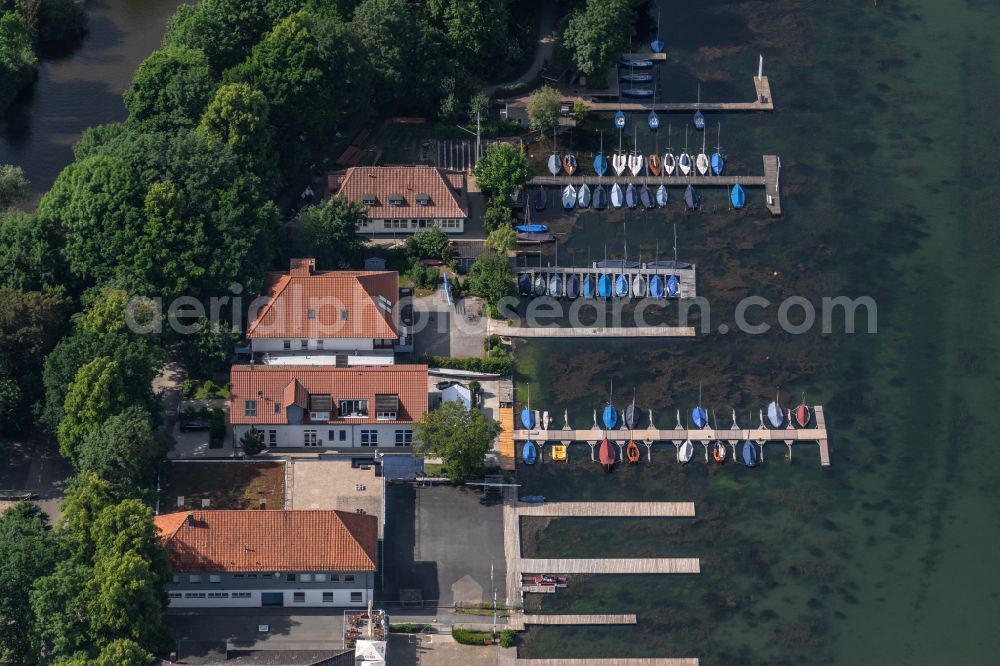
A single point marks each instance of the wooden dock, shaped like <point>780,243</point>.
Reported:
<point>517,565</point>
<point>770,181</point>
<point>763,102</point>
<point>790,435</point>
<point>687,276</point>
<point>505,414</point>
<point>518,620</point>
<point>508,331</point>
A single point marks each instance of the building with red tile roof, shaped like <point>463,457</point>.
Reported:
<point>270,558</point>
<point>317,314</point>
<point>405,199</point>
<point>324,406</point>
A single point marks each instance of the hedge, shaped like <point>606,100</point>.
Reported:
<point>471,637</point>
<point>497,365</point>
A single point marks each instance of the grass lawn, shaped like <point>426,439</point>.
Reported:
<point>226,484</point>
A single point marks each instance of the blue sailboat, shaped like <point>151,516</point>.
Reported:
<point>572,287</point>
<point>610,417</point>
<point>532,228</point>
<point>529,454</point>
<point>527,418</point>
<point>600,198</point>
<point>620,120</point>
<point>589,286</point>
<point>635,78</point>
<point>653,121</point>
<point>621,286</point>
<point>604,286</point>
<point>737,196</point>
<point>524,284</point>
<point>661,195</point>
<point>657,43</point>
<point>698,413</point>
<point>601,162</point>
<point>638,92</point>
<point>631,196</point>
<point>699,117</point>
<point>637,63</point>
<point>656,286</point>
<point>749,454</point>
<point>718,159</point>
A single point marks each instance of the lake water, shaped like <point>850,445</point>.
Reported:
<point>885,126</point>
<point>80,86</point>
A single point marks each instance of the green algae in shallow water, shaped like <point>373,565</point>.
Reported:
<point>880,200</point>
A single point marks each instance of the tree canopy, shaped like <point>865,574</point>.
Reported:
<point>17,56</point>
<point>597,34</point>
<point>543,108</point>
<point>97,392</point>
<point>491,278</point>
<point>502,170</point>
<point>460,437</point>
<point>13,184</point>
<point>328,231</point>
<point>170,88</point>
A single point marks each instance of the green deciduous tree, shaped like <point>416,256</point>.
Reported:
<point>497,214</point>
<point>328,231</point>
<point>543,109</point>
<point>59,606</point>
<point>30,254</point>
<point>17,56</point>
<point>124,601</point>
<point>97,392</point>
<point>87,496</point>
<point>123,652</point>
<point>502,239</point>
<point>460,437</point>
<point>429,244</point>
<point>596,35</point>
<point>170,89</point>
<point>237,117</point>
<point>13,184</point>
<point>225,30</point>
<point>27,552</point>
<point>125,452</point>
<point>479,107</point>
<point>252,441</point>
<point>491,278</point>
<point>476,31</point>
<point>503,170</point>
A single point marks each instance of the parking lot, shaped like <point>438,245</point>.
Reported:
<point>441,540</point>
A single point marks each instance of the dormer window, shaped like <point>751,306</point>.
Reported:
<point>319,407</point>
<point>354,408</point>
<point>386,406</point>
<point>423,200</point>
<point>311,313</point>
<point>343,315</point>
<point>369,200</point>
<point>249,408</point>
<point>396,200</point>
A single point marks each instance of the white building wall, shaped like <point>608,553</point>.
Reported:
<point>272,345</point>
<point>294,435</point>
<point>313,598</point>
<point>411,225</point>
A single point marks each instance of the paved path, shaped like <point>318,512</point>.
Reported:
<point>547,38</point>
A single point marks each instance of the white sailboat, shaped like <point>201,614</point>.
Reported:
<point>685,451</point>
<point>635,161</point>
<point>684,162</point>
<point>701,162</point>
<point>669,161</point>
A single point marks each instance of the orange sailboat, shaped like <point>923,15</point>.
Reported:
<point>632,452</point>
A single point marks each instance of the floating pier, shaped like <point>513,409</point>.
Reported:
<point>508,331</point>
<point>686,276</point>
<point>770,181</point>
<point>789,434</point>
<point>763,102</point>
<point>519,620</point>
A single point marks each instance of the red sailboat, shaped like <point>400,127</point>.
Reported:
<point>653,164</point>
<point>802,415</point>
<point>606,455</point>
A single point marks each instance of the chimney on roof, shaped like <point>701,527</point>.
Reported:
<point>302,267</point>
<point>190,518</point>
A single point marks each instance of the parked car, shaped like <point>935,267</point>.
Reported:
<point>194,425</point>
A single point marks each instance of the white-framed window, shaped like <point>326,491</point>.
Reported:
<point>328,597</point>
<point>404,437</point>
<point>298,597</point>
<point>369,438</point>
<point>218,595</point>
<point>320,577</point>
<point>194,578</point>
<point>249,408</point>
<point>194,595</point>
<point>311,313</point>
<point>214,578</point>
<point>241,595</point>
<point>386,416</point>
<point>354,408</point>
<point>305,578</point>
<point>355,597</point>
<point>175,595</point>
<point>272,438</point>
<point>309,438</point>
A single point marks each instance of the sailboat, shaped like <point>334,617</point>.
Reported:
<point>635,161</point>
<point>555,285</point>
<point>631,77</point>
<point>639,286</point>
<point>637,63</point>
<point>529,453</point>
<point>617,196</point>
<point>632,453</point>
<point>569,197</point>
<point>656,286</point>
<point>583,196</point>
<point>619,163</point>
<point>802,415</point>
<point>669,161</point>
<point>684,162</point>
<point>569,164</point>
<point>674,284</point>
<point>701,162</point>
<point>657,43</point>
<point>610,414</point>
<point>718,446</point>
<point>718,159</point>
<point>600,198</point>
<point>604,286</point>
<point>555,164</point>
<point>699,117</point>
<point>646,197</point>
<point>600,161</point>
<point>662,198</point>
<point>685,451</point>
<point>532,228</point>
<point>774,414</point>
<point>528,416</point>
<point>691,198</point>
<point>631,196</point>
<point>631,414</point>
<point>524,284</point>
<point>737,197</point>
<point>572,287</point>
<point>653,164</point>
<point>621,286</point>
<point>620,120</point>
<point>541,200</point>
<point>653,120</point>
<point>606,455</point>
<point>589,286</point>
<point>749,453</point>
<point>698,413</point>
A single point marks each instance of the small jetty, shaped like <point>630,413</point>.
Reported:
<point>686,275</point>
<point>789,435</point>
<point>770,181</point>
<point>508,331</point>
<point>763,101</point>
<point>519,620</point>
